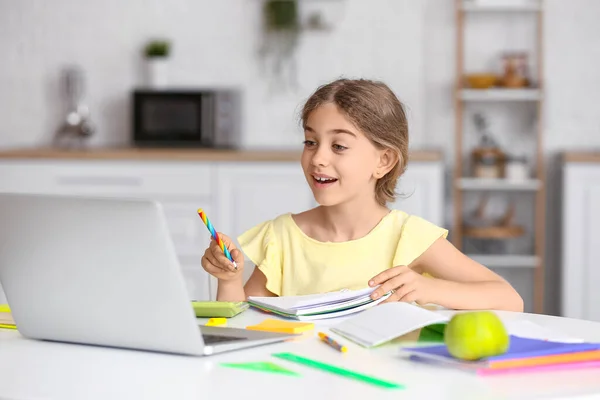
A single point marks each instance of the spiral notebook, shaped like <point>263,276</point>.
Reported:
<point>318,306</point>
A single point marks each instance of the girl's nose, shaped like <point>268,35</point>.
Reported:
<point>320,157</point>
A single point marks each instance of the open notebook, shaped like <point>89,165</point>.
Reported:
<point>318,306</point>
<point>391,320</point>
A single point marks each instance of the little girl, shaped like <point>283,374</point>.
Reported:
<point>355,149</point>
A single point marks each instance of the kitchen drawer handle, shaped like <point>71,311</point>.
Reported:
<point>100,180</point>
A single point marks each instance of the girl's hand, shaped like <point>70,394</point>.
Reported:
<point>405,284</point>
<point>218,265</point>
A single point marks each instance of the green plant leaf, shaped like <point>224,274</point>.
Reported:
<point>157,48</point>
<point>281,14</point>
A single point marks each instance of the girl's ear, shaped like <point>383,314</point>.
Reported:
<point>387,160</point>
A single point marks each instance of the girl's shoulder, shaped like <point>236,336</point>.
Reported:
<point>411,225</point>
<point>268,230</point>
<point>279,224</point>
<point>416,235</point>
<point>412,222</point>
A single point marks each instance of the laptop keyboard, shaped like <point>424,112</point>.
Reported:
<point>214,339</point>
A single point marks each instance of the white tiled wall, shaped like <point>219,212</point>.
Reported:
<point>215,43</point>
<point>409,44</point>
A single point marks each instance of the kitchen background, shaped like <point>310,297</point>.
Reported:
<point>409,44</point>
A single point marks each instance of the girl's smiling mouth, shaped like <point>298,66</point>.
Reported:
<point>322,181</point>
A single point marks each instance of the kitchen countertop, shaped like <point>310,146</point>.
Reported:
<point>582,156</point>
<point>184,154</point>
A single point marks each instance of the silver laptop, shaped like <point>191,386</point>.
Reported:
<point>102,272</point>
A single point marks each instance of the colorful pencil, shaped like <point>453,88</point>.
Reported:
<point>331,342</point>
<point>215,235</point>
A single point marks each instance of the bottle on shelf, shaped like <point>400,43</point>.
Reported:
<point>488,160</point>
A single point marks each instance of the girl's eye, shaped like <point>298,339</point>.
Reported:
<point>339,147</point>
<point>309,143</point>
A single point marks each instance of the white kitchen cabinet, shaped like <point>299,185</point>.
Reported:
<point>257,192</point>
<point>251,194</point>
<point>181,187</point>
<point>421,191</point>
<point>143,179</point>
<point>235,195</point>
<point>581,241</point>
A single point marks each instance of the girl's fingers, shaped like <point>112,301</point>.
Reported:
<point>386,275</point>
<point>409,297</point>
<point>399,293</point>
<point>215,270</point>
<point>211,257</point>
<point>226,241</point>
<point>393,283</point>
<point>210,267</point>
<point>220,258</point>
<point>237,256</point>
<point>403,291</point>
<point>393,297</point>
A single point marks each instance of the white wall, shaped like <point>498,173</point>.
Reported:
<point>215,43</point>
<point>407,43</point>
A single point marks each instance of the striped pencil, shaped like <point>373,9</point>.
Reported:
<point>215,235</point>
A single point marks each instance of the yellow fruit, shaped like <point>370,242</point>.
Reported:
<point>475,335</point>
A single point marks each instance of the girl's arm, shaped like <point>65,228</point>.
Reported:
<point>234,290</point>
<point>463,283</point>
<point>257,285</point>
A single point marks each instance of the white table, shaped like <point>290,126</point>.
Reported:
<point>42,370</point>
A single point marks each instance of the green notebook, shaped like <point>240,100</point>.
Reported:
<point>214,309</point>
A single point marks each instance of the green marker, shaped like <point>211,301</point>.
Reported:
<point>338,371</point>
<point>262,367</point>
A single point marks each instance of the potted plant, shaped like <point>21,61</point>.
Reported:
<point>157,52</point>
<point>281,32</point>
<point>281,15</point>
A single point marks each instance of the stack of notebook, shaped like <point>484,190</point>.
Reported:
<point>523,355</point>
<point>318,306</point>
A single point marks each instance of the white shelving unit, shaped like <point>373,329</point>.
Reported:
<point>466,97</point>
<point>500,94</point>
<point>501,8</point>
<point>506,261</point>
<point>498,184</point>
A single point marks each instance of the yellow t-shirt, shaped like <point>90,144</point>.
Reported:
<point>296,264</point>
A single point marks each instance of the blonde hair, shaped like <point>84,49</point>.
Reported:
<point>376,111</point>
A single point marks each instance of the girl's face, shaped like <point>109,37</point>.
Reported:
<point>339,162</point>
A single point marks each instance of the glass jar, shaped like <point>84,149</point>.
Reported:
<point>517,169</point>
<point>488,163</point>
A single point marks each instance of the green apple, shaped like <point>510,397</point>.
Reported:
<point>475,335</point>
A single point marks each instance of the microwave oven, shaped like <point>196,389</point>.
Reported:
<point>187,118</point>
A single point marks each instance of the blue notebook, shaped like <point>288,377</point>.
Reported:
<point>518,348</point>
